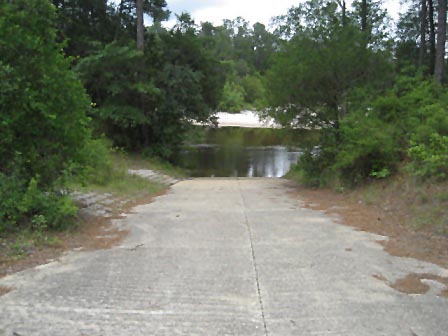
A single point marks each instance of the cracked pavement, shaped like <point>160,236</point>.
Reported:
<point>226,257</point>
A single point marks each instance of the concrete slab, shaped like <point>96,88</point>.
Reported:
<point>225,257</point>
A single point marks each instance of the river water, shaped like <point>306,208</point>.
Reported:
<point>243,152</point>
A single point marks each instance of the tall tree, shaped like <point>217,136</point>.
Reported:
<point>432,37</point>
<point>140,25</point>
<point>343,6</point>
<point>364,13</point>
<point>423,27</point>
<point>441,39</point>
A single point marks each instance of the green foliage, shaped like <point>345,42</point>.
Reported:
<point>375,137</point>
<point>246,54</point>
<point>43,106</point>
<point>43,120</point>
<point>23,204</point>
<point>430,160</point>
<point>254,90</point>
<point>338,68</point>
<point>321,73</point>
<point>97,167</point>
<point>383,173</point>
<point>368,147</point>
<point>148,100</point>
<point>232,98</point>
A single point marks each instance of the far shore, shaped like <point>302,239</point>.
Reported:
<point>249,119</point>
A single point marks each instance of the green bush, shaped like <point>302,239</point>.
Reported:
<point>375,136</point>
<point>43,105</point>
<point>232,98</point>
<point>43,120</point>
<point>254,91</point>
<point>27,205</point>
<point>430,160</point>
<point>368,146</point>
<point>97,166</point>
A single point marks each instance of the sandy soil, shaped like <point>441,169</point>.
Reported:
<point>248,119</point>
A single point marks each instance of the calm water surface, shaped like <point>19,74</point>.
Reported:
<point>243,152</point>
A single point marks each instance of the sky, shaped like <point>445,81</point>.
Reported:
<point>252,10</point>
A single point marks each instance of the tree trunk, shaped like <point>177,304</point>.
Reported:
<point>364,25</point>
<point>120,15</point>
<point>423,25</point>
<point>141,46</point>
<point>432,37</point>
<point>441,39</point>
<point>364,13</point>
<point>140,25</point>
<point>341,4</point>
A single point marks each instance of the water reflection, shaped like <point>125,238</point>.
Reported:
<point>242,153</point>
<point>270,161</point>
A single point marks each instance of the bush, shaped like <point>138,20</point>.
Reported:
<point>43,105</point>
<point>97,167</point>
<point>43,120</point>
<point>27,205</point>
<point>368,148</point>
<point>430,160</point>
<point>232,98</point>
<point>375,136</point>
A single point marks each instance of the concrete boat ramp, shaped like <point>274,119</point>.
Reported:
<point>226,257</point>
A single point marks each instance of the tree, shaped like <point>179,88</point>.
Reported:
<point>423,27</point>
<point>140,25</point>
<point>43,123</point>
<point>147,100</point>
<point>432,37</point>
<point>43,105</point>
<point>83,23</point>
<point>323,63</point>
<point>441,40</point>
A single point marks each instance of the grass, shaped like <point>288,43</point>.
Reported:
<point>22,243</point>
<point>110,177</point>
<point>422,205</point>
<point>137,161</point>
<point>120,183</point>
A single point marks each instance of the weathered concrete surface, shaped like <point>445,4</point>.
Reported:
<point>226,257</point>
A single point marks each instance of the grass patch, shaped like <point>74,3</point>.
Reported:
<point>138,161</point>
<point>424,205</point>
<point>22,243</point>
<point>122,184</point>
<point>112,177</point>
<point>419,205</point>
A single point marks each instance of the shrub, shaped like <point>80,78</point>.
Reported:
<point>430,160</point>
<point>28,205</point>
<point>43,105</point>
<point>43,119</point>
<point>368,147</point>
<point>232,98</point>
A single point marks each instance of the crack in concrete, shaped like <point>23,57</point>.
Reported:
<point>246,219</point>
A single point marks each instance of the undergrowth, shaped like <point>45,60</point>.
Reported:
<point>421,204</point>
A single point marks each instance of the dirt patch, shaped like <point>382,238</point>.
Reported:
<point>92,233</point>
<point>404,241</point>
<point>4,290</point>
<point>412,283</point>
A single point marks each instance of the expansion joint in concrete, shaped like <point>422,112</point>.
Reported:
<point>254,260</point>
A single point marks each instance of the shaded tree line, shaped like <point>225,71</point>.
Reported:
<point>378,96</point>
